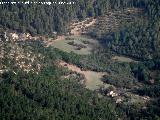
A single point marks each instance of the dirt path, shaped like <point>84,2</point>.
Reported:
<point>93,79</point>
<point>123,59</point>
<point>80,27</point>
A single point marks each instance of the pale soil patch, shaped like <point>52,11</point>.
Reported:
<point>51,42</point>
<point>93,79</point>
<point>123,59</point>
<point>80,27</point>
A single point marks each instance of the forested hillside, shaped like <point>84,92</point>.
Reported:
<point>139,39</point>
<point>44,95</point>
<point>112,46</point>
<point>45,19</point>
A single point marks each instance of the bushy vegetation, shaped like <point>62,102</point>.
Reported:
<point>45,19</point>
<point>46,95</point>
<point>139,40</point>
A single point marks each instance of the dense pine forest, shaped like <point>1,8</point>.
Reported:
<point>38,19</point>
<point>35,85</point>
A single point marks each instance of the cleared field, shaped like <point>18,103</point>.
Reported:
<point>93,79</point>
<point>64,45</point>
<point>123,59</point>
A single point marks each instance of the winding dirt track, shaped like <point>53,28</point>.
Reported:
<point>78,27</point>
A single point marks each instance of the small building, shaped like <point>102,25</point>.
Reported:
<point>54,33</point>
<point>119,100</point>
<point>112,94</point>
<point>152,81</point>
<point>14,36</point>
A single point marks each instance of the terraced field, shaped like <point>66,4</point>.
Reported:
<point>114,20</point>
